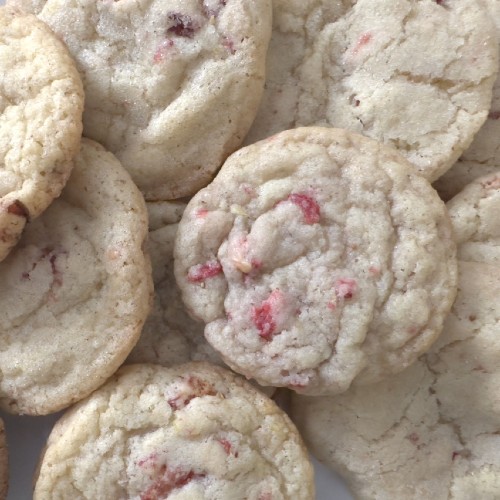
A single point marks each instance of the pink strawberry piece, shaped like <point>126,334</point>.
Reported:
<point>264,316</point>
<point>363,40</point>
<point>494,115</point>
<point>308,205</point>
<point>170,480</point>
<point>162,50</point>
<point>345,288</point>
<point>182,25</point>
<point>201,213</point>
<point>195,388</point>
<point>201,272</point>
<point>228,447</point>
<point>18,208</point>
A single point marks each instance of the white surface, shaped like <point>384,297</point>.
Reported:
<point>27,435</point>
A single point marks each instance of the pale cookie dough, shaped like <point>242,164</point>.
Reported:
<point>31,6</point>
<point>475,216</point>
<point>432,432</point>
<point>169,336</point>
<point>191,432</point>
<point>483,155</point>
<point>317,257</point>
<point>41,104</point>
<point>4,463</point>
<point>171,86</point>
<point>76,291</point>
<point>414,74</point>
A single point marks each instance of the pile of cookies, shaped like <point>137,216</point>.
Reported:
<point>199,192</point>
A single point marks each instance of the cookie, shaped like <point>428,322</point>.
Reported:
<point>193,431</point>
<point>416,75</point>
<point>169,336</point>
<point>41,104</point>
<point>483,155</point>
<point>76,290</point>
<point>474,214</point>
<point>434,430</point>
<point>4,463</point>
<point>171,87</point>
<point>317,257</point>
<point>31,6</point>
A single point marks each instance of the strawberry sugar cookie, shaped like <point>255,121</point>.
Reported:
<point>171,86</point>
<point>416,75</point>
<point>195,431</point>
<point>76,290</point>
<point>434,430</point>
<point>41,104</point>
<point>316,258</point>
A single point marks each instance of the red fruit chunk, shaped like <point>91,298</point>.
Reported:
<point>182,25</point>
<point>201,272</point>
<point>308,205</point>
<point>170,480</point>
<point>345,288</point>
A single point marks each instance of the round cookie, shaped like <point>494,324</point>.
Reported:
<point>194,431</point>
<point>483,155</point>
<point>76,290</point>
<point>171,86</point>
<point>414,74</point>
<point>474,214</point>
<point>41,104</point>
<point>169,336</point>
<point>317,257</point>
<point>4,463</point>
<point>434,430</point>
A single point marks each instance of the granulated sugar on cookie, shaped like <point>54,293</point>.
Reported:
<point>41,104</point>
<point>475,216</point>
<point>169,336</point>
<point>434,430</point>
<point>316,258</point>
<point>483,155</point>
<point>195,431</point>
<point>171,86</point>
<point>76,291</point>
<point>414,74</point>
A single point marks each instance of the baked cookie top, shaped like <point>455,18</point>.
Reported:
<point>41,104</point>
<point>193,431</point>
<point>76,290</point>
<point>414,74</point>
<point>483,155</point>
<point>434,430</point>
<point>170,336</point>
<point>475,216</point>
<point>317,257</point>
<point>171,87</point>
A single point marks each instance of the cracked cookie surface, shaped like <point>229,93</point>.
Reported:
<point>194,431</point>
<point>317,257</point>
<point>433,431</point>
<point>483,155</point>
<point>41,104</point>
<point>171,87</point>
<point>379,68</point>
<point>76,290</point>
